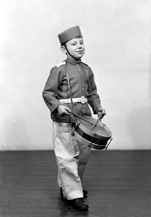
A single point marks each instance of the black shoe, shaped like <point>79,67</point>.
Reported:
<point>79,204</point>
<point>61,193</point>
<point>85,192</point>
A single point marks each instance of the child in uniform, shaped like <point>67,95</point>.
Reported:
<point>71,88</point>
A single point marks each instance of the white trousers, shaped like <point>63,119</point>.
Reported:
<point>71,158</point>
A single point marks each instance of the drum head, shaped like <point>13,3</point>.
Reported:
<point>100,129</point>
<point>96,137</point>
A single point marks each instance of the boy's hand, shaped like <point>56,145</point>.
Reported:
<point>62,109</point>
<point>101,113</point>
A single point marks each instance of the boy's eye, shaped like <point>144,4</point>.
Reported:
<point>81,42</point>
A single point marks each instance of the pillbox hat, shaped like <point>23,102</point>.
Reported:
<point>69,34</point>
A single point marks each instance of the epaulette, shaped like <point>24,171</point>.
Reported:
<point>60,64</point>
<point>84,63</point>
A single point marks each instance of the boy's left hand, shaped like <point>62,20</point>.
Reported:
<point>101,112</point>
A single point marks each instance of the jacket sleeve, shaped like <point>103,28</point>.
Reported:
<point>50,91</point>
<point>93,97</point>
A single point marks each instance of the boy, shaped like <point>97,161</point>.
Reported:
<point>70,87</point>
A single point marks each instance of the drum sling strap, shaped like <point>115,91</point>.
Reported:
<point>69,87</point>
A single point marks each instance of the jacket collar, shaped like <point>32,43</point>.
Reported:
<point>73,61</point>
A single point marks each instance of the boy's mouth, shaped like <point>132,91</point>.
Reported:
<point>80,51</point>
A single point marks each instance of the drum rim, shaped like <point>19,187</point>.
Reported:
<point>86,130</point>
<point>92,138</point>
<point>92,145</point>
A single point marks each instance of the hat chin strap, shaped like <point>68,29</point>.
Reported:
<point>70,53</point>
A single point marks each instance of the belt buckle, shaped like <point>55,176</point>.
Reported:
<point>83,100</point>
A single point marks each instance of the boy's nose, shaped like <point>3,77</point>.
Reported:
<point>79,45</point>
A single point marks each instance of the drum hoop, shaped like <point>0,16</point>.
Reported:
<point>94,138</point>
<point>91,144</point>
<point>88,131</point>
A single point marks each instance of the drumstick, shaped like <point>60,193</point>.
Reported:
<point>99,117</point>
<point>80,117</point>
<point>95,123</point>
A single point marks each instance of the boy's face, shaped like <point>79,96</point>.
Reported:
<point>76,47</point>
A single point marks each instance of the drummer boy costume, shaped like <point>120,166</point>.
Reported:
<point>70,89</point>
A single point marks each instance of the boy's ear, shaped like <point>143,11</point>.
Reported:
<point>63,49</point>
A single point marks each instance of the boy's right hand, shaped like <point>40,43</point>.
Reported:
<point>62,109</point>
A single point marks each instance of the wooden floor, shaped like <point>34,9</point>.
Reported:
<point>119,185</point>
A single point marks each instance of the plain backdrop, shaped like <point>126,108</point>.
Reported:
<point>117,35</point>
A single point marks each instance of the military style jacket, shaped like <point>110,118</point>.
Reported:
<point>79,82</point>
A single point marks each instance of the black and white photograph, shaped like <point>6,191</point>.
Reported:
<point>75,108</point>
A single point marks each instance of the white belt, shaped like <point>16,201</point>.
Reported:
<point>82,100</point>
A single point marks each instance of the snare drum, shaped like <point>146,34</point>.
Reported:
<point>97,137</point>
